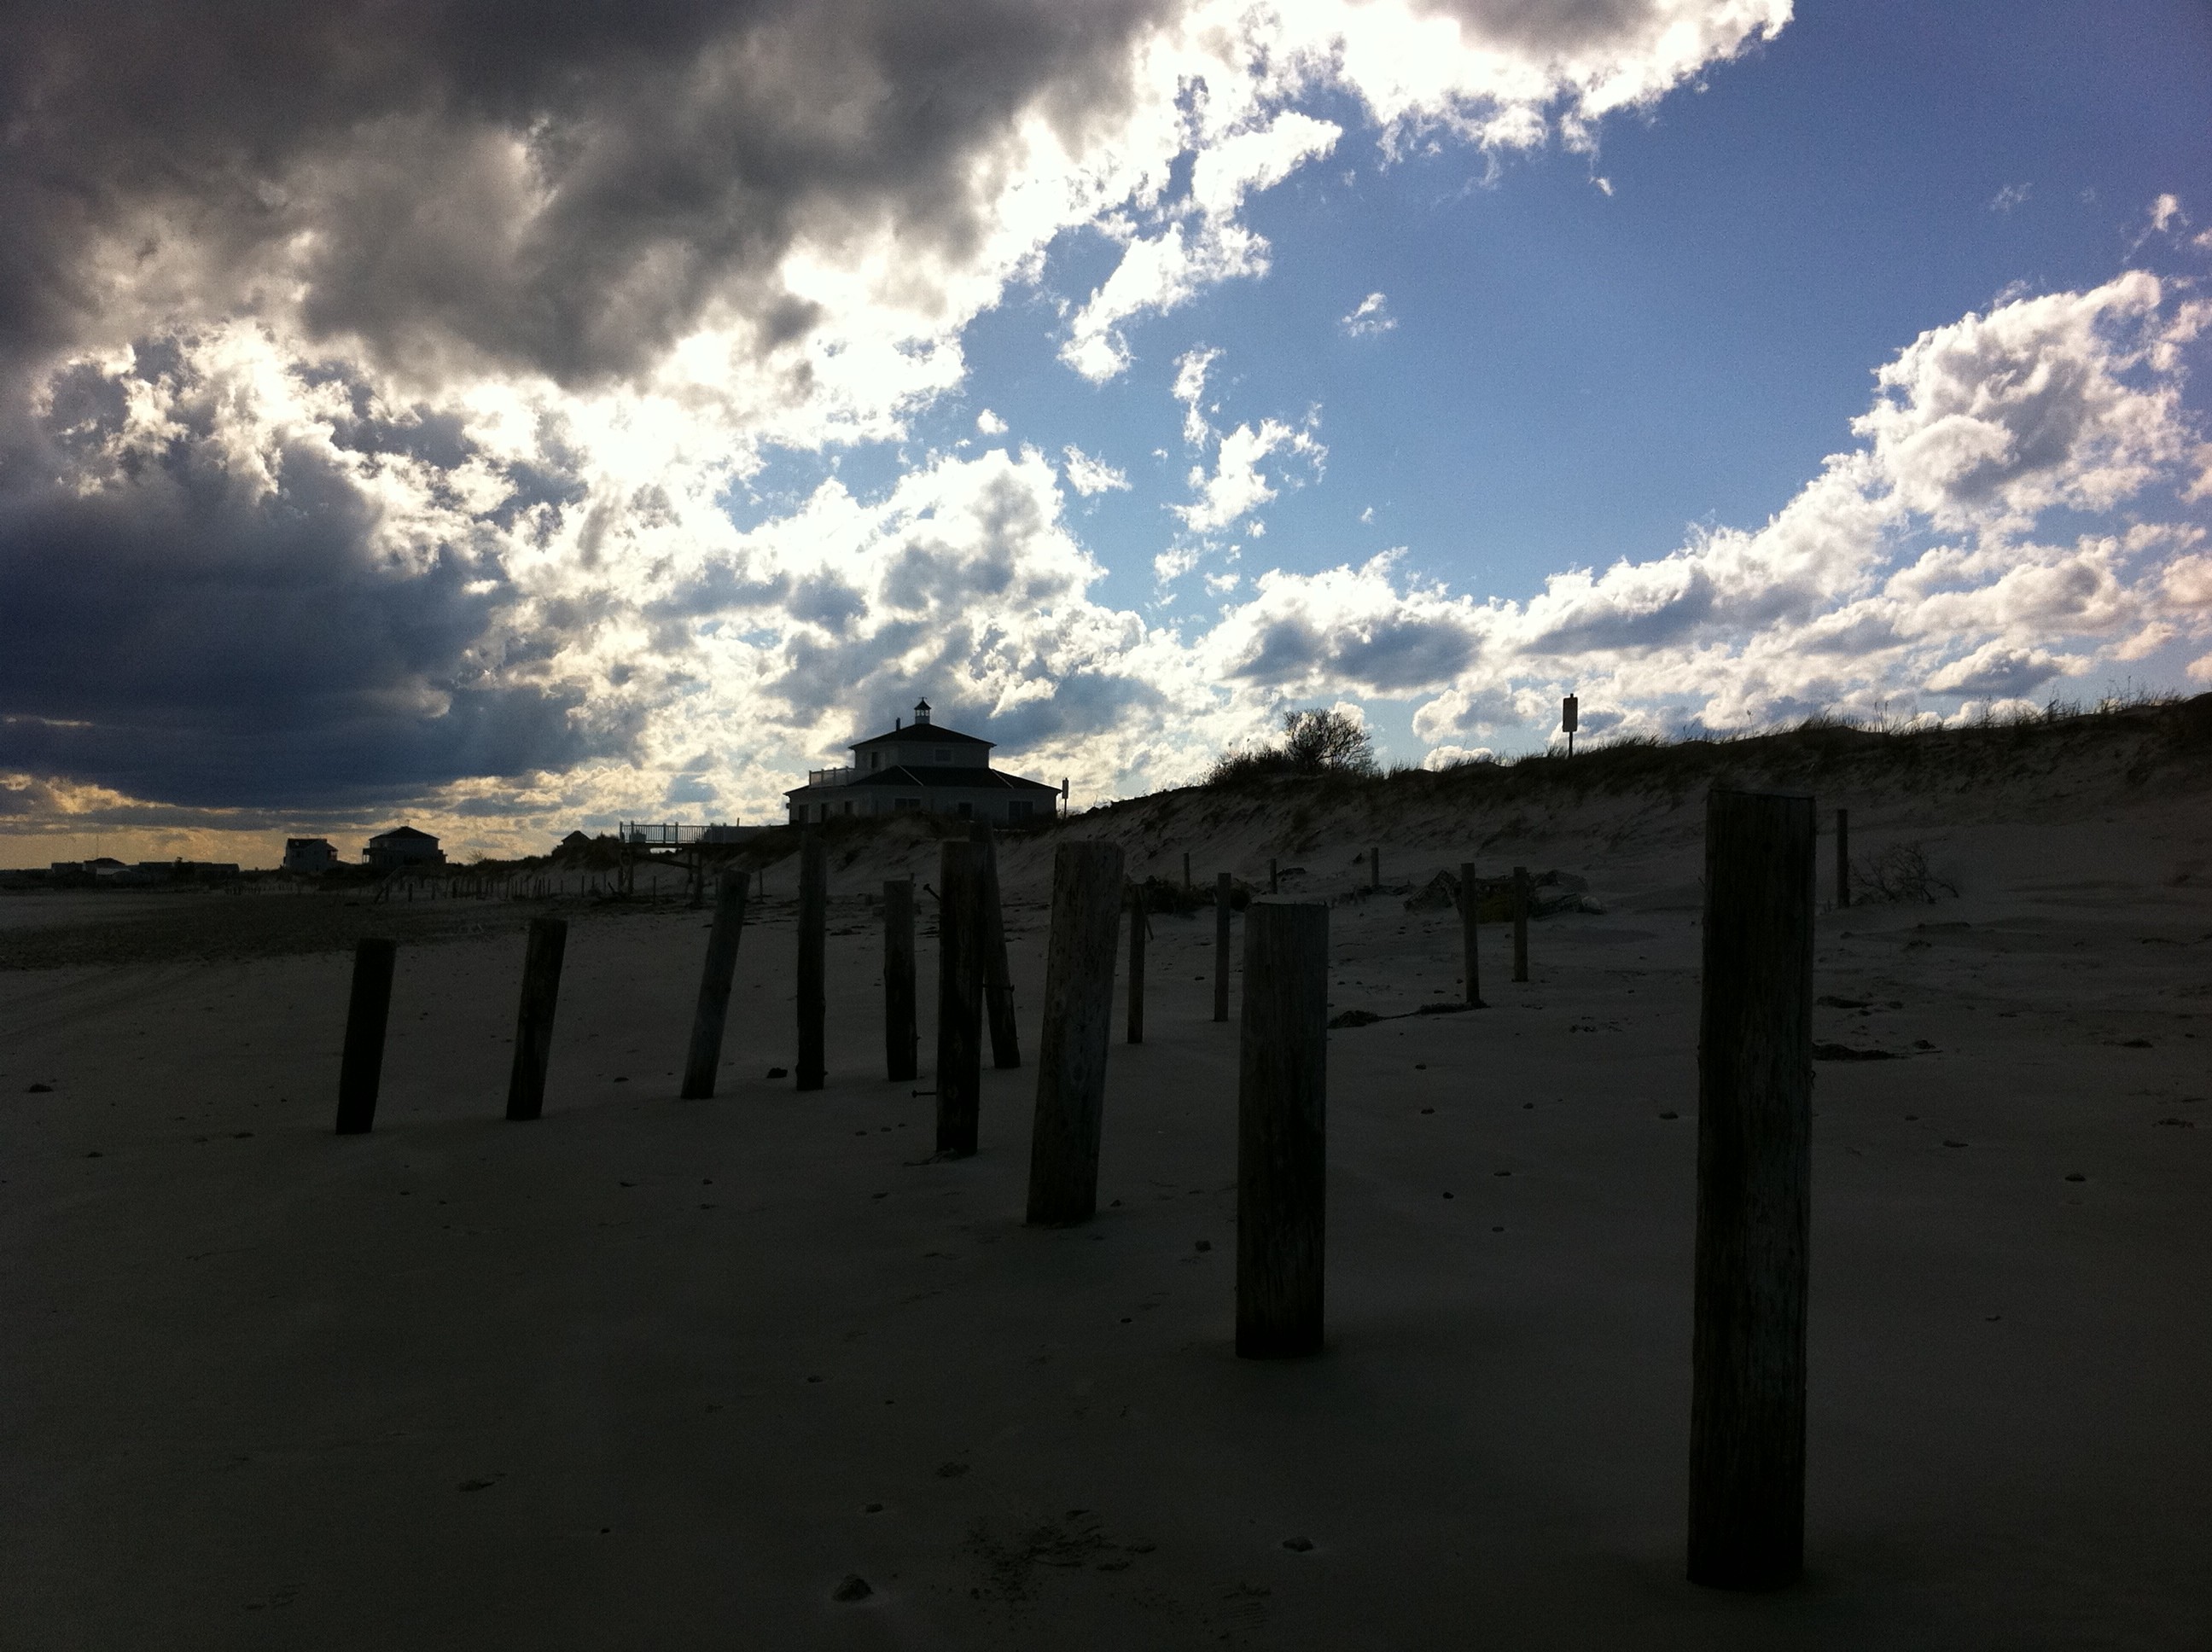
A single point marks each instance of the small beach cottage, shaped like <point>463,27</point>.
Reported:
<point>921,767</point>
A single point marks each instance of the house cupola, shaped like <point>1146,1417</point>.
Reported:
<point>921,711</point>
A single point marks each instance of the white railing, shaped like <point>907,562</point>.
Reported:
<point>830,776</point>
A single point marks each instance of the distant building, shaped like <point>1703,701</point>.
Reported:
<point>920,768</point>
<point>403,846</point>
<point>181,871</point>
<point>309,854</point>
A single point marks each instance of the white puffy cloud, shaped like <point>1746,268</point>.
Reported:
<point>1191,368</point>
<point>1368,318</point>
<point>1237,485</point>
<point>1995,418</point>
<point>990,424</point>
<point>1300,634</point>
<point>1089,476</point>
<point>1449,757</point>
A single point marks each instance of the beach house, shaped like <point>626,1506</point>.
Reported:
<point>403,846</point>
<point>921,767</point>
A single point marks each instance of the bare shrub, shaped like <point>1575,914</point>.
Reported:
<point>1899,874</point>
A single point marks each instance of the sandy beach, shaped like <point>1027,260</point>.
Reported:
<point>650,1372</point>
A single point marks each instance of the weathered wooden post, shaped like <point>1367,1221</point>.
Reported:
<point>1274,883</point>
<point>1221,892</point>
<point>997,986</point>
<point>1520,923</point>
<point>959,998</point>
<point>1282,1085</point>
<point>704,1058</point>
<point>361,1069</point>
<point>1470,923</point>
<point>533,1022</point>
<point>1843,857</point>
<point>1141,930</point>
<point>899,1035</point>
<point>814,946</point>
<point>1375,869</point>
<point>1078,1018</point>
<point>1754,1173</point>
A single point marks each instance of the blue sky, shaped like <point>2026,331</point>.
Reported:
<point>610,422</point>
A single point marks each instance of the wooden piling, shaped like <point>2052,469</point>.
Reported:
<point>1222,889</point>
<point>533,1022</point>
<point>1470,923</point>
<point>1140,930</point>
<point>998,985</point>
<point>959,998</point>
<point>1078,1016</point>
<point>369,1009</point>
<point>813,946</point>
<point>1520,923</point>
<point>1281,1129</point>
<point>704,1058</point>
<point>899,1035</point>
<point>1843,857</point>
<point>1746,1517</point>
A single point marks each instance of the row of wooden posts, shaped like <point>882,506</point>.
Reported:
<point>1747,1407</point>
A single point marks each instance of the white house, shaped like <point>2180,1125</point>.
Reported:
<point>920,766</point>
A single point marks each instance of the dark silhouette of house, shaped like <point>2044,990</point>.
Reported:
<point>403,846</point>
<point>920,766</point>
<point>309,854</point>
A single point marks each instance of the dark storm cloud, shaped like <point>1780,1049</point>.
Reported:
<point>178,637</point>
<point>563,188</point>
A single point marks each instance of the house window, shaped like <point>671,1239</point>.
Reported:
<point>905,806</point>
<point>1017,810</point>
<point>848,808</point>
<point>945,754</point>
<point>875,761</point>
<point>967,811</point>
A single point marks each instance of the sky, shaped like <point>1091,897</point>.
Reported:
<point>507,421</point>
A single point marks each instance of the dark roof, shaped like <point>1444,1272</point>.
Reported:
<point>936,779</point>
<point>398,832</point>
<point>922,734</point>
